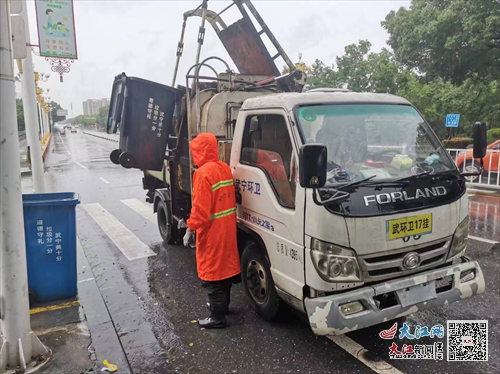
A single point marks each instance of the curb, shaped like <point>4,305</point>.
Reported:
<point>105,341</point>
<point>102,137</point>
<point>25,171</point>
<point>481,191</point>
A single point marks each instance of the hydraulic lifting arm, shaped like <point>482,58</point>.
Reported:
<point>241,39</point>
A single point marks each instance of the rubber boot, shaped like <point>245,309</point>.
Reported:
<point>228,310</point>
<point>215,321</point>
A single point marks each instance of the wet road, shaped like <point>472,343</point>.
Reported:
<point>154,299</point>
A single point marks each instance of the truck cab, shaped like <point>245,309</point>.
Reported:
<point>392,244</point>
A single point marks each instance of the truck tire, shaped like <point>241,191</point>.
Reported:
<point>168,230</point>
<point>258,282</point>
<point>471,166</point>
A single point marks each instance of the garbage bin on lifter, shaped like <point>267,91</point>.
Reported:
<point>143,111</point>
<point>50,230</point>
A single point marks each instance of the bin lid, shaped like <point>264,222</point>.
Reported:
<point>57,198</point>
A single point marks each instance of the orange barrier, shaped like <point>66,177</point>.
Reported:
<point>46,145</point>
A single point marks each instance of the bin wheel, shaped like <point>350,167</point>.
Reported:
<point>115,156</point>
<point>126,160</point>
<point>168,230</point>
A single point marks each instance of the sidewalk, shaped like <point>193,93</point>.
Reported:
<point>79,332</point>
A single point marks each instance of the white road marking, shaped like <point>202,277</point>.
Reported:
<point>483,239</point>
<point>141,208</point>
<point>129,244</point>
<point>86,280</point>
<point>64,145</point>
<point>356,350</point>
<point>81,165</point>
<point>105,181</point>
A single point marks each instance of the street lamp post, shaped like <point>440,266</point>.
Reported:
<point>18,344</point>
<point>30,110</point>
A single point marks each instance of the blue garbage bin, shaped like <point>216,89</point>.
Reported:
<point>50,230</point>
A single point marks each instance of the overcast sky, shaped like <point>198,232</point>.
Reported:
<point>140,38</point>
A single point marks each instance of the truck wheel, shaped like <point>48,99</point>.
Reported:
<point>258,282</point>
<point>168,231</point>
<point>471,166</point>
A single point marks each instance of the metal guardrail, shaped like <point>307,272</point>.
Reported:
<point>490,178</point>
<point>485,212</point>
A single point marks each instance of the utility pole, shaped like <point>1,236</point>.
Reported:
<point>18,344</point>
<point>30,111</point>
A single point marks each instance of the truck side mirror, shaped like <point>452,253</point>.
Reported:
<point>480,143</point>
<point>312,165</point>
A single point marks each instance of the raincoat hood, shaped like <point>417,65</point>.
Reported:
<point>204,149</point>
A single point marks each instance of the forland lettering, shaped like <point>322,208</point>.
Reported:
<point>386,198</point>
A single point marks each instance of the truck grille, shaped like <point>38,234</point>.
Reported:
<point>385,265</point>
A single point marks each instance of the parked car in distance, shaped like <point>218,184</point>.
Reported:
<point>473,165</point>
<point>74,129</point>
<point>63,132</point>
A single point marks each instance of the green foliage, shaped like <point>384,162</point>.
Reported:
<point>477,99</point>
<point>492,135</point>
<point>451,39</point>
<point>83,120</point>
<point>102,117</point>
<point>20,115</point>
<point>55,118</point>
<point>460,143</point>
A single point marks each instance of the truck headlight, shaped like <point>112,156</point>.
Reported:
<point>334,263</point>
<point>459,242</point>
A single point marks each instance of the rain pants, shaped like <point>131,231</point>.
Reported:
<point>213,214</point>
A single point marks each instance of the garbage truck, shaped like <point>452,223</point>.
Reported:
<point>349,209</point>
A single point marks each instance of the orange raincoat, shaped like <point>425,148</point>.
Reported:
<point>213,214</point>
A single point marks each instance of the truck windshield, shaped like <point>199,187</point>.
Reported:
<point>386,141</point>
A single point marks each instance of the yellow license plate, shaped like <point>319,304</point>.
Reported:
<point>410,226</point>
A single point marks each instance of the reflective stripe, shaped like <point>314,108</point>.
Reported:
<point>221,184</point>
<point>224,213</point>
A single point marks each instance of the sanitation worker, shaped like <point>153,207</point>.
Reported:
<point>213,217</point>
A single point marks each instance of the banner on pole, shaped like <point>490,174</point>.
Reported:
<point>56,28</point>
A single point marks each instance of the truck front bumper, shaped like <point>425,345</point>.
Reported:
<point>412,294</point>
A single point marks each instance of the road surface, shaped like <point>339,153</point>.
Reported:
<point>153,294</point>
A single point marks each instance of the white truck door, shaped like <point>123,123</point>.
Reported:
<point>265,168</point>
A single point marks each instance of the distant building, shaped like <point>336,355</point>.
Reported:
<point>91,106</point>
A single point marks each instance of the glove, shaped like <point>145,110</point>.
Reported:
<point>182,224</point>
<point>188,237</point>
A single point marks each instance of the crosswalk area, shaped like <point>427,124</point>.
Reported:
<point>125,240</point>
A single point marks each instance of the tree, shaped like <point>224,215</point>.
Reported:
<point>450,39</point>
<point>364,71</point>
<point>55,118</point>
<point>102,117</point>
<point>322,76</point>
<point>20,115</point>
<point>82,120</point>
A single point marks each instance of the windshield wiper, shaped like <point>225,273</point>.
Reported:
<point>352,183</point>
<point>336,192</point>
<point>414,176</point>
